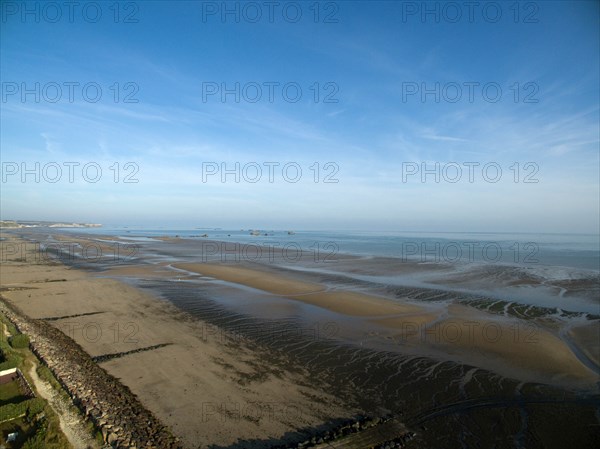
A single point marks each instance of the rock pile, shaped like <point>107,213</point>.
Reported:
<point>115,411</point>
<point>398,442</point>
<point>356,425</point>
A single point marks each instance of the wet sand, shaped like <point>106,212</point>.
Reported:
<point>223,370</point>
<point>206,391</point>
<point>466,334</point>
<point>587,337</point>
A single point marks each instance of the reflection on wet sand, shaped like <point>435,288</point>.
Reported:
<point>459,369</point>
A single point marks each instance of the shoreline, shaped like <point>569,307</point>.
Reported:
<point>504,343</point>
<point>106,316</point>
<point>223,358</point>
<point>543,353</point>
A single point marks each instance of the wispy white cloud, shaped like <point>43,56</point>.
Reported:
<point>444,138</point>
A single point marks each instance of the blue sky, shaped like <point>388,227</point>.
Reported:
<point>369,57</point>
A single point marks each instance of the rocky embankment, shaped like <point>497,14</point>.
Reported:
<point>361,432</point>
<point>115,411</point>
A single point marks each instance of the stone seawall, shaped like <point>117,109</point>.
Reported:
<point>115,411</point>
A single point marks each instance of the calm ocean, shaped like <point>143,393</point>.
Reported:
<point>579,251</point>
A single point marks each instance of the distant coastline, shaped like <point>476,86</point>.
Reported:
<point>48,224</point>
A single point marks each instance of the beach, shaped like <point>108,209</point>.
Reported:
<point>457,330</point>
<point>207,391</point>
<point>247,354</point>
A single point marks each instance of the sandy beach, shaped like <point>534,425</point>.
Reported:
<point>467,334</point>
<point>219,353</point>
<point>208,392</point>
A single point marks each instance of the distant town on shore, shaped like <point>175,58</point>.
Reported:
<point>48,224</point>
